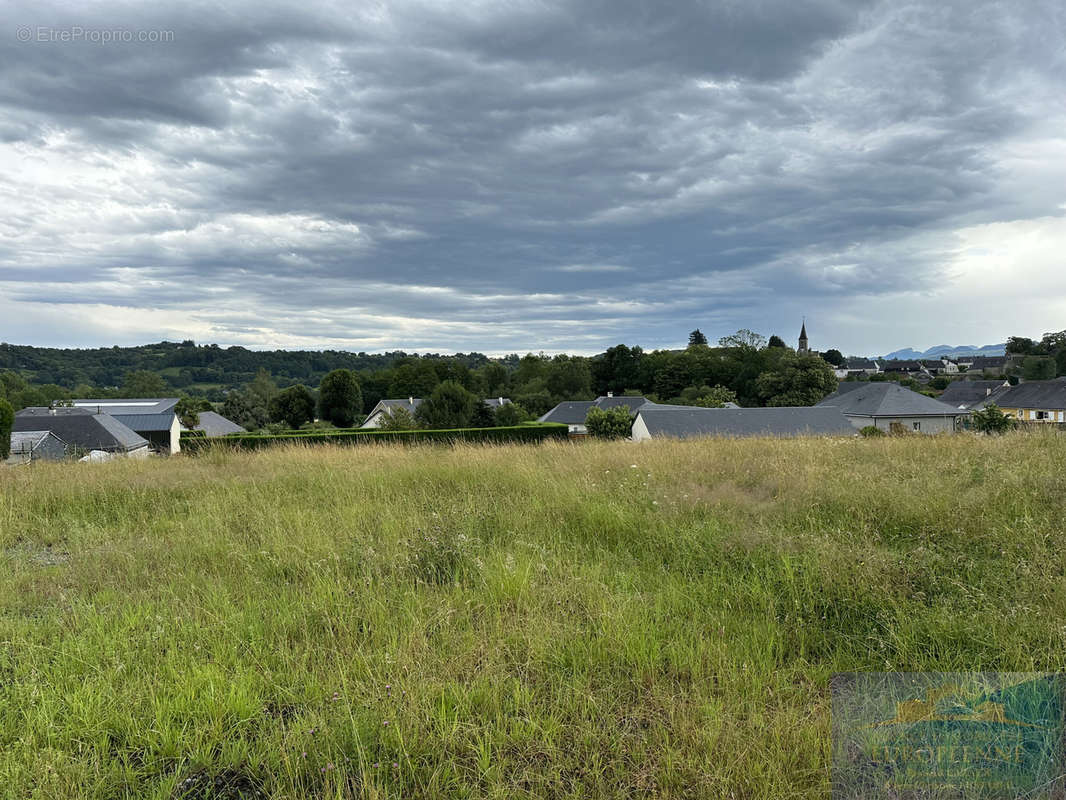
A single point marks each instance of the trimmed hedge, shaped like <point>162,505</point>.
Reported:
<point>253,441</point>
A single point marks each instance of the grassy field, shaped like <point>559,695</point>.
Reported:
<point>590,620</point>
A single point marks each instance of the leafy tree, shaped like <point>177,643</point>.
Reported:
<point>293,406</point>
<point>991,420</point>
<point>263,387</point>
<point>612,424</point>
<point>494,379</point>
<point>940,382</point>
<point>448,406</point>
<point>483,416</point>
<point>188,410</point>
<point>1038,368</point>
<point>797,380</point>
<point>399,419</point>
<point>776,341</point>
<point>7,422</point>
<point>743,339</point>
<point>707,396</point>
<point>568,378</point>
<point>246,409</point>
<point>538,401</point>
<point>340,400</point>
<point>144,383</point>
<point>834,357</point>
<point>510,414</point>
<point>1020,345</point>
<point>697,337</point>
<point>617,369</point>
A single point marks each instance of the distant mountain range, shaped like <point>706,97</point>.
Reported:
<point>950,351</point>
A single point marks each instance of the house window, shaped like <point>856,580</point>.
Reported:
<point>916,426</point>
<point>1041,415</point>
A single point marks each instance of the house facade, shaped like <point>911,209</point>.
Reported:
<point>572,413</point>
<point>886,404</point>
<point>83,431</point>
<point>29,446</point>
<point>1032,401</point>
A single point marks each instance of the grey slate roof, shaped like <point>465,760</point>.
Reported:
<point>1047,395</point>
<point>25,441</point>
<point>859,363</point>
<point>887,399</point>
<point>80,427</point>
<point>129,406</point>
<point>407,403</point>
<point>966,393</point>
<point>573,412</point>
<point>682,422</point>
<point>214,424</point>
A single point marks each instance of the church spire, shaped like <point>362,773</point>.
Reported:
<point>803,338</point>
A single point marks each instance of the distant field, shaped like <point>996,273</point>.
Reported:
<point>567,620</point>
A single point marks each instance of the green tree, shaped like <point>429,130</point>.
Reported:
<point>399,419</point>
<point>796,380</point>
<point>483,416</point>
<point>834,357</point>
<point>246,409</point>
<point>494,379</point>
<point>188,410</point>
<point>617,369</point>
<point>1022,346</point>
<point>340,400</point>
<point>448,406</point>
<point>776,341</point>
<point>696,338</point>
<point>744,339</point>
<point>707,396</point>
<point>1038,368</point>
<point>991,420</point>
<point>144,383</point>
<point>7,422</point>
<point>263,387</point>
<point>294,406</point>
<point>612,424</point>
<point>568,378</point>
<point>510,414</point>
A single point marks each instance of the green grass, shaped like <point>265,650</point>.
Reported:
<point>567,620</point>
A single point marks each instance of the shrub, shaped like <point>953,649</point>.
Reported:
<point>399,419</point>
<point>293,406</point>
<point>871,432</point>
<point>511,414</point>
<point>991,420</point>
<point>613,424</point>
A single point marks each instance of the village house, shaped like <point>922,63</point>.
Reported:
<point>153,419</point>
<point>885,404</point>
<point>1032,401</point>
<point>967,394</point>
<point>573,412</point>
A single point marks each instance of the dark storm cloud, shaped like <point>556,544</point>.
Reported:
<point>513,175</point>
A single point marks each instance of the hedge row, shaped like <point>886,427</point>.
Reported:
<point>254,441</point>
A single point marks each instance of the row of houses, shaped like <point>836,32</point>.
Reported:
<point>884,405</point>
<point>95,429</point>
<point>923,370</point>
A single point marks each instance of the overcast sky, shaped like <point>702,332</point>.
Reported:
<point>514,176</point>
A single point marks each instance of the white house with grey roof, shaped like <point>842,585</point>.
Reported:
<point>383,408</point>
<point>655,421</point>
<point>152,418</point>
<point>883,403</point>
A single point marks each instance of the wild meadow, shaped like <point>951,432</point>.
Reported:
<point>591,620</point>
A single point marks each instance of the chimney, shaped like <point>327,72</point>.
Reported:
<point>410,401</point>
<point>499,401</point>
<point>610,394</point>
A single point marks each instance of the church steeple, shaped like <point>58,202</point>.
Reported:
<point>803,338</point>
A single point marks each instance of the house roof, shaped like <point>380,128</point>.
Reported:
<point>903,365</point>
<point>860,363</point>
<point>886,399</point>
<point>129,407</point>
<point>28,441</point>
<point>408,403</point>
<point>966,393</point>
<point>573,412</point>
<point>685,422</point>
<point>1032,394</point>
<point>214,424</point>
<point>988,361</point>
<point>496,402</point>
<point>80,427</point>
